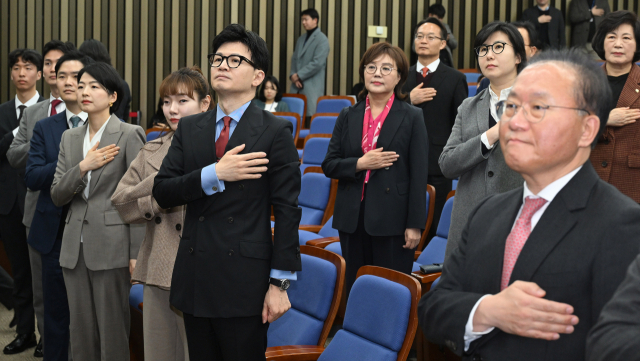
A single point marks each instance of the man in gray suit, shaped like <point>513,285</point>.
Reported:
<point>309,61</point>
<point>585,17</point>
<point>18,153</point>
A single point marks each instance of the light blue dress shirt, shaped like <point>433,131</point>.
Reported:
<point>209,179</point>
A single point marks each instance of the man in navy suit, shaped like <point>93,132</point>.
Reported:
<point>49,220</point>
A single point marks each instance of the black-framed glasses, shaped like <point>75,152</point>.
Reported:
<point>497,48</point>
<point>384,70</point>
<point>429,38</point>
<point>533,113</point>
<point>233,61</point>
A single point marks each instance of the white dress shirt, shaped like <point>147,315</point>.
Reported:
<point>432,67</point>
<point>270,107</point>
<point>29,103</point>
<point>493,101</point>
<point>548,193</point>
<point>82,115</point>
<point>59,108</point>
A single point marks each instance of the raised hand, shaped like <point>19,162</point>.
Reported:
<point>234,167</point>
<point>376,159</point>
<point>97,158</point>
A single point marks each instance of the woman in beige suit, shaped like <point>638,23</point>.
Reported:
<point>184,92</point>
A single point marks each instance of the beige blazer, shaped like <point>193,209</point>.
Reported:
<point>108,241</point>
<point>135,203</point>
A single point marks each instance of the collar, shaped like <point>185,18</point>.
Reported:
<point>504,93</point>
<point>29,102</point>
<point>52,98</point>
<point>235,115</point>
<point>309,32</point>
<point>98,134</point>
<point>432,67</point>
<point>82,116</point>
<point>551,191</point>
<point>545,9</point>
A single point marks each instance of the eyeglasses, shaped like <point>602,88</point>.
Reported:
<point>233,61</point>
<point>384,70</point>
<point>533,113</point>
<point>497,48</point>
<point>429,38</point>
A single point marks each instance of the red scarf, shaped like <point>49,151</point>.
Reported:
<point>371,130</point>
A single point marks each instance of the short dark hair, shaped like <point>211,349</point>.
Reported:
<point>57,45</point>
<point>610,23</point>
<point>395,53</point>
<point>273,80</point>
<point>313,13</point>
<point>73,55</point>
<point>592,90</point>
<point>531,30</point>
<point>437,10</point>
<point>435,21</point>
<point>517,42</point>
<point>96,50</point>
<point>257,46</point>
<point>108,77</point>
<point>27,56</point>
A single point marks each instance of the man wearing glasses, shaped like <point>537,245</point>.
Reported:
<point>536,265</point>
<point>231,166</point>
<point>438,90</point>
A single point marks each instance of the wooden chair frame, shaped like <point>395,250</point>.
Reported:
<point>451,194</point>
<point>292,114</point>
<point>469,70</point>
<point>423,348</point>
<point>432,204</point>
<point>303,97</point>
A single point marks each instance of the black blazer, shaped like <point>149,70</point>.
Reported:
<point>578,253</point>
<point>226,252</point>
<point>395,198</point>
<point>11,180</point>
<point>440,113</point>
<point>557,37</point>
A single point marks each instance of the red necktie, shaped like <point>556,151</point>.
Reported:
<point>518,237</point>
<point>425,70</point>
<point>54,104</point>
<point>223,139</point>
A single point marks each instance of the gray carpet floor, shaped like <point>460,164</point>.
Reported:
<point>8,334</point>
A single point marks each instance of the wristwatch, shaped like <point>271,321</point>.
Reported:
<point>282,284</point>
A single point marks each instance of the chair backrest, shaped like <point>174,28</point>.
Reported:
<point>335,248</point>
<point>322,124</point>
<point>381,317</point>
<point>472,90</point>
<point>294,118</point>
<point>136,296</point>
<point>297,103</point>
<point>326,231</point>
<point>445,219</point>
<point>472,77</point>
<point>333,103</point>
<point>431,203</point>
<point>153,135</point>
<point>433,252</point>
<point>305,236</point>
<point>315,149</point>
<point>314,296</point>
<point>314,196</point>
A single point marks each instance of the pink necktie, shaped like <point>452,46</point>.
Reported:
<point>425,70</point>
<point>518,237</point>
<point>54,104</point>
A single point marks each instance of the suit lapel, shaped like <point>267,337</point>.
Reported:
<point>13,117</point>
<point>248,129</point>
<point>111,135</point>
<point>155,159</point>
<point>391,125</point>
<point>356,118</point>
<point>42,108</point>
<point>631,91</point>
<point>77,141</point>
<point>438,76</point>
<point>411,79</point>
<point>307,45</point>
<point>482,115</point>
<point>60,125</point>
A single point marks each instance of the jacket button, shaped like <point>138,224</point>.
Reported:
<point>241,186</point>
<point>201,218</point>
<point>230,252</point>
<point>215,189</point>
<point>490,174</point>
<point>147,215</point>
<point>387,190</point>
<point>178,227</point>
<point>386,168</point>
<point>158,220</point>
<point>604,164</point>
<point>230,220</point>
<point>191,250</point>
<point>85,222</point>
<point>606,141</point>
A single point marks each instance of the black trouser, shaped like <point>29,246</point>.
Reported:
<point>6,289</point>
<point>228,339</point>
<point>14,237</point>
<point>361,249</point>
<point>443,187</point>
<point>56,306</point>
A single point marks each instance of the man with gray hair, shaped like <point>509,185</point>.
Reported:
<point>536,265</point>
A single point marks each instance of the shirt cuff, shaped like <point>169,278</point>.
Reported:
<point>469,335</point>
<point>15,131</point>
<point>209,180</point>
<point>280,275</point>
<point>485,141</point>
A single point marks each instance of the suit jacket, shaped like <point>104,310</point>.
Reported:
<point>480,175</point>
<point>226,251</point>
<point>135,203</point>
<point>395,197</point>
<point>616,157</point>
<point>19,151</point>
<point>557,37</point>
<point>108,241</point>
<point>440,113</point>
<point>11,180</point>
<point>615,336</point>
<point>580,18</point>
<point>578,253</point>
<point>310,62</point>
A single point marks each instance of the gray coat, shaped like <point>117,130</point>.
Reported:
<point>580,16</point>
<point>479,175</point>
<point>309,61</point>
<point>108,242</point>
<point>18,152</point>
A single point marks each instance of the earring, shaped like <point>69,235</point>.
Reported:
<point>110,104</point>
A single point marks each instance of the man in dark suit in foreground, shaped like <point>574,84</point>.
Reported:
<point>230,166</point>
<point>438,90</point>
<point>529,280</point>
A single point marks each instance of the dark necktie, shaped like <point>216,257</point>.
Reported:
<point>75,120</point>
<point>223,139</point>
<point>21,108</point>
<point>54,104</point>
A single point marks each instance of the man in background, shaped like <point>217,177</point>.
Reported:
<point>446,56</point>
<point>585,17</point>
<point>549,23</point>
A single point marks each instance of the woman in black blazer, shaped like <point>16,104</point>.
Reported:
<point>380,207</point>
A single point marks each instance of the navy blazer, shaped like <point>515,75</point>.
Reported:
<point>41,167</point>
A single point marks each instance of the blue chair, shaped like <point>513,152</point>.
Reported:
<point>315,298</point>
<point>314,197</point>
<point>454,184</point>
<point>333,103</point>
<point>472,77</point>
<point>435,282</point>
<point>434,252</point>
<point>472,90</point>
<point>431,203</point>
<point>153,135</point>
<point>136,296</point>
<point>335,248</point>
<point>322,124</point>
<point>294,118</point>
<point>297,103</point>
<point>315,149</point>
<point>325,233</point>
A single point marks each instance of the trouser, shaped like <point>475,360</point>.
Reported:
<point>6,289</point>
<point>56,307</point>
<point>35,261</point>
<point>163,327</point>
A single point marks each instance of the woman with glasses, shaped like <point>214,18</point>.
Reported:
<point>616,157</point>
<point>269,96</point>
<point>472,153</point>
<point>378,152</point>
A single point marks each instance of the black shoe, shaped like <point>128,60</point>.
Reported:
<point>38,351</point>
<point>21,343</point>
<point>14,321</point>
